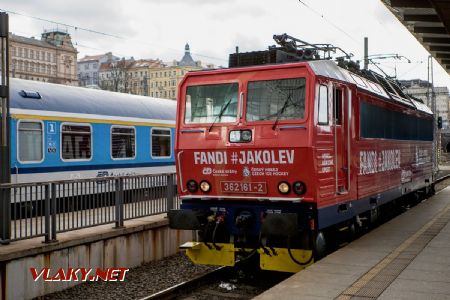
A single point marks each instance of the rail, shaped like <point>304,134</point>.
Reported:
<point>44,209</point>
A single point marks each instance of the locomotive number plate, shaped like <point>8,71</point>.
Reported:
<point>243,187</point>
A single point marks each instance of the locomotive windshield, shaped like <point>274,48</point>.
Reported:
<point>282,99</point>
<point>211,103</point>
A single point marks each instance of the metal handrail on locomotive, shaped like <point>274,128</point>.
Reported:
<point>287,147</point>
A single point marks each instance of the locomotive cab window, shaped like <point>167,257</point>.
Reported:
<point>30,141</point>
<point>123,142</point>
<point>161,141</point>
<point>282,99</point>
<point>211,103</point>
<point>76,142</point>
<point>323,105</point>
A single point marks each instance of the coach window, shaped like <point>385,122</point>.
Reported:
<point>123,142</point>
<point>323,105</point>
<point>30,141</point>
<point>76,142</point>
<point>161,140</point>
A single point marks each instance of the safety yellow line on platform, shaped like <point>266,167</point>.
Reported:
<point>364,280</point>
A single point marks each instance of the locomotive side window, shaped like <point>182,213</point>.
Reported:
<point>161,140</point>
<point>282,99</point>
<point>323,105</point>
<point>123,143</point>
<point>76,142</point>
<point>30,141</point>
<point>211,103</point>
<point>379,122</point>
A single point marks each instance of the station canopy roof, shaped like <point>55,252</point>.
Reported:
<point>429,22</point>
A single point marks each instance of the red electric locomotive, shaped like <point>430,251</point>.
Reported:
<point>272,159</point>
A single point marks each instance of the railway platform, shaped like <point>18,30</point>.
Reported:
<point>139,241</point>
<point>405,258</point>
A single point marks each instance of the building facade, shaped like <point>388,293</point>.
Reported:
<point>139,75</point>
<point>423,90</point>
<point>164,80</point>
<point>146,77</point>
<point>89,66</point>
<point>51,59</point>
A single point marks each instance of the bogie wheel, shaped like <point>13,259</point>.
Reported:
<point>320,245</point>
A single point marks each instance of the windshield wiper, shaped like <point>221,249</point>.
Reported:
<point>281,111</point>
<point>220,114</point>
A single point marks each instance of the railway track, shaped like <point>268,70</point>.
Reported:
<point>187,286</point>
<point>222,283</point>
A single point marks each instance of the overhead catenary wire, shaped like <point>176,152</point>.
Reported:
<point>106,34</point>
<point>321,15</point>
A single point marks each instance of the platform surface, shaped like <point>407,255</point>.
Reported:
<point>405,258</point>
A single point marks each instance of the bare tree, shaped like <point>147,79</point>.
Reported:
<point>119,76</point>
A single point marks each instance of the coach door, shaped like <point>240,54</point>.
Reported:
<point>341,137</point>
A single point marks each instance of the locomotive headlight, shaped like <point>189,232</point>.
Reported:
<point>205,186</point>
<point>283,187</point>
<point>240,136</point>
<point>246,136</point>
<point>299,188</point>
<point>192,186</point>
<point>235,136</point>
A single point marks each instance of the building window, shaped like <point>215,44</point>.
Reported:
<point>48,56</point>
<point>95,65</point>
<point>86,66</point>
<point>123,142</point>
<point>76,142</point>
<point>161,140</point>
<point>30,141</point>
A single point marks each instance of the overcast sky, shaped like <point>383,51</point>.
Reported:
<point>160,28</point>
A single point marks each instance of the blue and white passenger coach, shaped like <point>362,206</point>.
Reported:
<point>61,132</point>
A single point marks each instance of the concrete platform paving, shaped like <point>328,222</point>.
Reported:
<point>405,258</point>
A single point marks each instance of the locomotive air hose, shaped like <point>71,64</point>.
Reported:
<point>293,258</point>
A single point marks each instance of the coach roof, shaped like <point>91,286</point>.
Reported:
<point>70,99</point>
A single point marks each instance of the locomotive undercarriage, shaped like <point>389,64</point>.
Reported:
<point>281,236</point>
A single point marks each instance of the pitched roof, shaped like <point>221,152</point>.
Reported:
<point>187,60</point>
<point>31,41</point>
<point>91,57</point>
